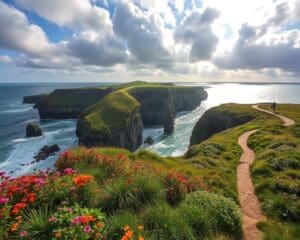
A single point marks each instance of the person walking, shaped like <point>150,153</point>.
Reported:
<point>273,106</point>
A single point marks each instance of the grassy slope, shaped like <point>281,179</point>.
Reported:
<point>77,97</point>
<point>112,111</point>
<point>276,174</point>
<point>218,157</point>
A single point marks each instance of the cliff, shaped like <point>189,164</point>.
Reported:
<point>218,119</point>
<point>114,121</point>
<point>159,104</point>
<point>35,99</point>
<point>67,103</point>
<point>104,119</point>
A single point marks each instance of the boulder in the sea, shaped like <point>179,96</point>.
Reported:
<point>46,152</point>
<point>33,130</point>
<point>149,140</point>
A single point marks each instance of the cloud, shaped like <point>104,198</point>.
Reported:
<point>196,31</point>
<point>103,51</point>
<point>142,32</point>
<point>5,59</point>
<point>74,14</point>
<point>247,55</point>
<point>18,34</point>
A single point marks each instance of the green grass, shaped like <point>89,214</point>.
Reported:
<point>112,111</point>
<point>276,172</point>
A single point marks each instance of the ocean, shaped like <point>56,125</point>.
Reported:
<point>16,149</point>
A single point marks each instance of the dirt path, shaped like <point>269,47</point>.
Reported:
<point>286,121</point>
<point>249,203</point>
<point>250,206</point>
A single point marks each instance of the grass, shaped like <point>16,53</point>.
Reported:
<point>111,112</point>
<point>275,172</point>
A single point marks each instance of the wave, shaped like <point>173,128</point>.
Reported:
<point>17,110</point>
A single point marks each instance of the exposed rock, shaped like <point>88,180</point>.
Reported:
<point>35,99</point>
<point>33,130</point>
<point>46,152</point>
<point>127,136</point>
<point>149,140</point>
<point>216,120</point>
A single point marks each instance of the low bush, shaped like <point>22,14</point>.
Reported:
<point>224,212</point>
<point>164,222</point>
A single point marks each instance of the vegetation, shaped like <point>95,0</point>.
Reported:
<point>112,111</point>
<point>275,171</point>
<point>110,193</point>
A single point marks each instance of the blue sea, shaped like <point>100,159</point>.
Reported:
<point>16,149</point>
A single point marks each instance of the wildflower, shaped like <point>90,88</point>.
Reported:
<point>69,171</point>
<point>57,235</point>
<point>17,207</point>
<point>23,234</point>
<point>3,200</point>
<point>81,180</point>
<point>126,228</point>
<point>87,228</point>
<point>51,219</point>
<point>141,238</point>
<point>140,227</point>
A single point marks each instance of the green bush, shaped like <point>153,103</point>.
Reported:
<point>197,218</point>
<point>164,222</point>
<point>225,212</point>
<point>131,194</point>
<point>117,222</point>
<point>36,224</point>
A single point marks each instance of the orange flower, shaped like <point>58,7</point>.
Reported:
<point>57,235</point>
<point>141,238</point>
<point>129,234</point>
<point>126,228</point>
<point>140,227</point>
<point>81,180</point>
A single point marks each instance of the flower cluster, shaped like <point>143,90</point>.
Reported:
<point>81,180</point>
<point>68,222</point>
<point>129,234</point>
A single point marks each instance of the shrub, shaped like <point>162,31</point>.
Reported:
<point>84,223</point>
<point>131,194</point>
<point>36,224</point>
<point>197,218</point>
<point>225,212</point>
<point>117,222</point>
<point>165,222</point>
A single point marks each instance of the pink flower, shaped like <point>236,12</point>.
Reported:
<point>87,228</point>
<point>3,200</point>
<point>72,189</point>
<point>51,219</point>
<point>76,220</point>
<point>23,234</point>
<point>69,171</point>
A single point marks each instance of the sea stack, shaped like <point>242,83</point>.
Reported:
<point>33,130</point>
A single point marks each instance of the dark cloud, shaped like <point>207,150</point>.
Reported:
<point>196,30</point>
<point>106,51</point>
<point>141,34</point>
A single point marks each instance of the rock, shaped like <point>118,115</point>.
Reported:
<point>33,130</point>
<point>46,151</point>
<point>216,120</point>
<point>149,140</point>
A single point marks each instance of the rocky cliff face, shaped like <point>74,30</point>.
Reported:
<point>159,105</point>
<point>128,135</point>
<point>216,120</point>
<point>66,103</point>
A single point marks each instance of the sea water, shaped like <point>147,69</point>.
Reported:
<point>16,149</point>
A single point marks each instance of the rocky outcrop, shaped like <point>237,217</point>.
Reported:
<point>35,99</point>
<point>159,105</point>
<point>216,120</point>
<point>128,135</point>
<point>33,130</point>
<point>46,152</point>
<point>149,140</point>
<point>67,103</point>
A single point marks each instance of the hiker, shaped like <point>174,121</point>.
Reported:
<point>273,106</point>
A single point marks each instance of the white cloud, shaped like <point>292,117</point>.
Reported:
<point>75,14</point>
<point>18,34</point>
<point>6,59</point>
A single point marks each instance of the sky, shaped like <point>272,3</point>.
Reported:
<point>155,40</point>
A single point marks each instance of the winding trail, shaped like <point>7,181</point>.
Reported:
<point>250,206</point>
